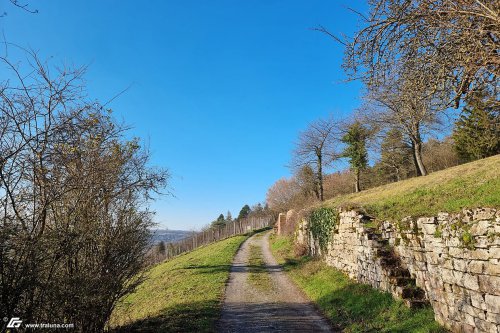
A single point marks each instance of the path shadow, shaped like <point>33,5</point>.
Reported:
<point>243,268</point>
<point>270,317</point>
<point>188,317</point>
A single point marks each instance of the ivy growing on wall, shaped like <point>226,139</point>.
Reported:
<point>321,224</point>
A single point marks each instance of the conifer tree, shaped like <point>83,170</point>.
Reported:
<point>355,139</point>
<point>244,212</point>
<point>477,131</point>
<point>395,154</point>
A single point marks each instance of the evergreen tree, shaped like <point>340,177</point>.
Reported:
<point>396,155</point>
<point>355,139</point>
<point>219,222</point>
<point>229,217</point>
<point>477,131</point>
<point>245,210</point>
<point>162,248</point>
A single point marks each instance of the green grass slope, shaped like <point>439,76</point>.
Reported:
<point>350,306</point>
<point>181,295</point>
<point>470,185</point>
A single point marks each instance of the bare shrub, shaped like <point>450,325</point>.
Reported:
<point>339,183</point>
<point>300,250</point>
<point>74,227</point>
<point>439,155</point>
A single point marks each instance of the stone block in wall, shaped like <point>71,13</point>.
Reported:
<point>480,228</point>
<point>466,328</point>
<point>456,313</point>
<point>466,280</point>
<point>494,238</point>
<point>433,258</point>
<point>419,256</point>
<point>492,303</point>
<point>443,217</point>
<point>477,300</point>
<point>482,242</point>
<point>492,317</point>
<point>456,326</point>
<point>428,228</point>
<point>485,326</point>
<point>489,284</point>
<point>468,319</point>
<point>473,311</point>
<point>447,276</point>
<point>492,268</point>
<point>467,215</point>
<point>452,299</point>
<point>484,214</point>
<point>456,252</point>
<point>476,266</point>
<point>481,254</point>
<point>494,253</point>
<point>460,265</point>
<point>447,263</point>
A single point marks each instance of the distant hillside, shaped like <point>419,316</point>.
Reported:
<point>168,236</point>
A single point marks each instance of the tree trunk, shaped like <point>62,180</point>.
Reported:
<point>320,176</point>
<point>415,163</point>
<point>356,184</point>
<point>417,157</point>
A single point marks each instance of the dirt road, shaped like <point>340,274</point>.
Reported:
<point>261,298</point>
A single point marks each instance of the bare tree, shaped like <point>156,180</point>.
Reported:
<point>440,154</point>
<point>460,38</point>
<point>412,102</point>
<point>22,5</point>
<point>315,148</point>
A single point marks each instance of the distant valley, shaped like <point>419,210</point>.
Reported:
<point>168,236</point>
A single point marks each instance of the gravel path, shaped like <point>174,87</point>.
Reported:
<point>279,308</point>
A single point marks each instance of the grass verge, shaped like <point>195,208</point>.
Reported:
<point>258,274</point>
<point>350,306</point>
<point>181,295</point>
<point>470,185</point>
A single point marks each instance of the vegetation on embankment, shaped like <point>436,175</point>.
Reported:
<point>350,306</point>
<point>470,185</point>
<point>180,295</point>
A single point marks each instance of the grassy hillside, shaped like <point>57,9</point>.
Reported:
<point>350,306</point>
<point>180,295</point>
<point>470,185</point>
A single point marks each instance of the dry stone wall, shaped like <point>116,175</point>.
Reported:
<point>451,261</point>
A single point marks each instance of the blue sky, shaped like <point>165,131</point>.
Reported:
<point>218,89</point>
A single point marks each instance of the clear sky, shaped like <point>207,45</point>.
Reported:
<point>219,89</point>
